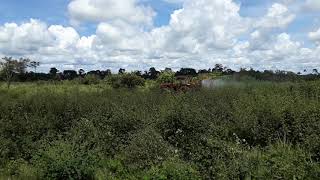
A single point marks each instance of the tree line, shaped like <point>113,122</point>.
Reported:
<point>17,70</point>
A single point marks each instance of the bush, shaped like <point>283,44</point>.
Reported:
<point>146,149</point>
<point>63,160</point>
<point>166,77</point>
<point>67,131</point>
<point>127,80</point>
<point>217,159</point>
<point>113,169</point>
<point>114,81</point>
<point>282,161</point>
<point>132,80</point>
<point>89,79</point>
<point>183,126</point>
<point>19,169</point>
<point>173,169</point>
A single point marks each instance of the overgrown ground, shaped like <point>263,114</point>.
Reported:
<point>255,130</point>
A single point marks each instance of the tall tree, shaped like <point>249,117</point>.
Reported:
<point>186,72</point>
<point>53,71</point>
<point>9,67</point>
<point>81,72</point>
<point>168,70</point>
<point>138,73</point>
<point>153,73</point>
<point>69,74</point>
<point>34,65</point>
<point>121,71</point>
<point>218,68</point>
<point>108,72</point>
<point>315,71</point>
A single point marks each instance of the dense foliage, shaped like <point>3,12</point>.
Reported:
<point>248,130</point>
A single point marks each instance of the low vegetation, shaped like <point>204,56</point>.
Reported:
<point>98,125</point>
<point>258,130</point>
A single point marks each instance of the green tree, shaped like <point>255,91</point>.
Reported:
<point>127,80</point>
<point>81,72</point>
<point>121,71</point>
<point>91,79</point>
<point>131,80</point>
<point>153,73</point>
<point>114,80</point>
<point>9,67</point>
<point>218,68</point>
<point>166,77</point>
<point>53,71</point>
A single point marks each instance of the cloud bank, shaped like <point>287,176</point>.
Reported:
<point>199,35</point>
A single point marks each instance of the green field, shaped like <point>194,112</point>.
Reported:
<point>252,130</point>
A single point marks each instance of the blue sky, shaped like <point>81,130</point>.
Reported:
<point>99,36</point>
<point>55,11</point>
<point>52,11</point>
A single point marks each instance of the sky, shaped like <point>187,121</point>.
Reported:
<point>139,34</point>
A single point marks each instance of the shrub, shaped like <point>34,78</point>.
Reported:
<point>183,126</point>
<point>91,79</point>
<point>63,160</point>
<point>19,169</point>
<point>217,159</point>
<point>146,149</point>
<point>112,169</point>
<point>126,80</point>
<point>166,77</point>
<point>114,81</point>
<point>282,161</point>
<point>65,131</point>
<point>173,169</point>
<point>132,80</point>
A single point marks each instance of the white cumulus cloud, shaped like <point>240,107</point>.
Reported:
<point>108,10</point>
<point>312,5</point>
<point>199,34</point>
<point>315,36</point>
<point>278,16</point>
